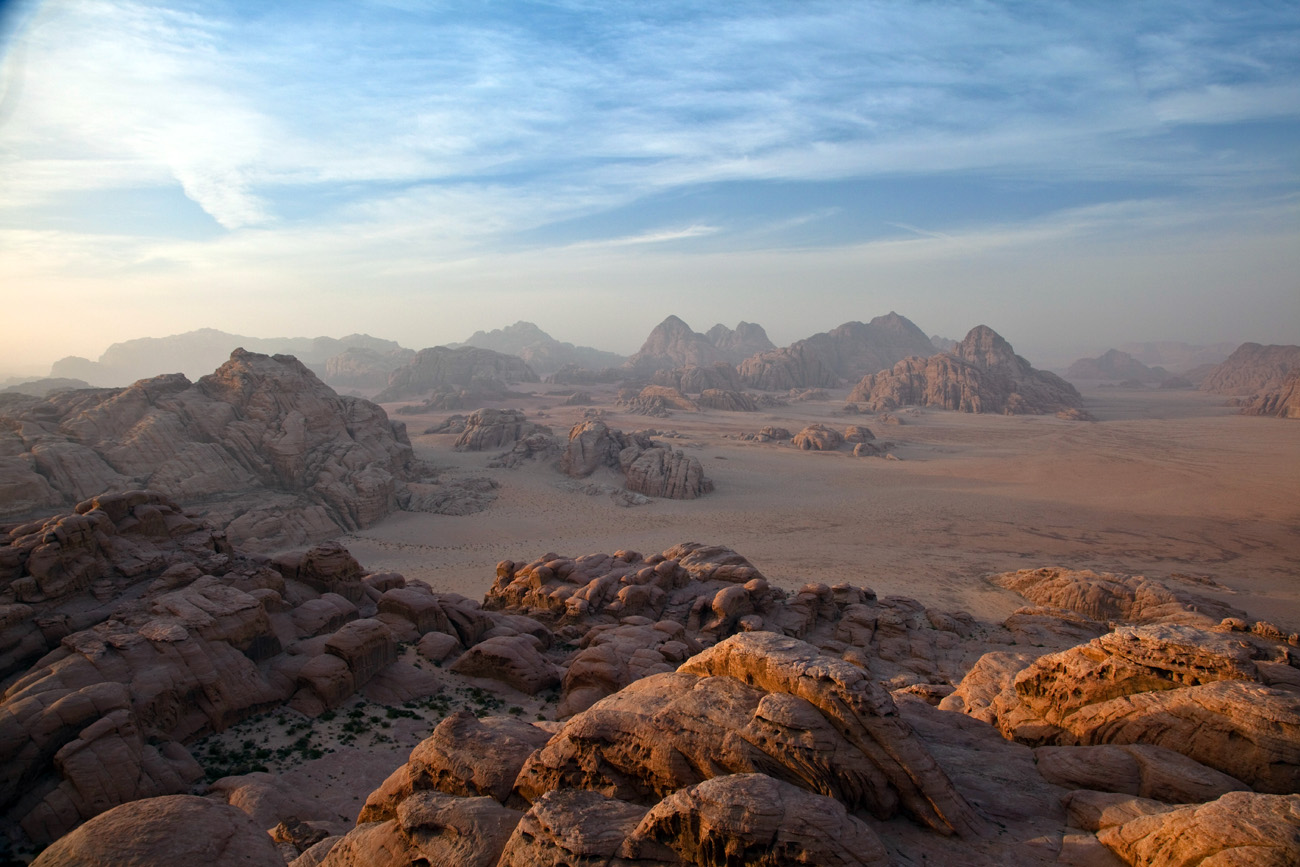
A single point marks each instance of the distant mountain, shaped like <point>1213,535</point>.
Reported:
<point>982,374</point>
<point>1178,356</point>
<point>542,352</point>
<point>45,386</point>
<point>674,344</point>
<point>1115,365</point>
<point>942,344</point>
<point>196,353</point>
<point>1253,368</point>
<point>462,367</point>
<point>850,351</point>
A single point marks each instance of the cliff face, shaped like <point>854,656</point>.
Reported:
<point>1282,402</point>
<point>983,374</point>
<point>261,446</point>
<point>850,351</point>
<point>1253,368</point>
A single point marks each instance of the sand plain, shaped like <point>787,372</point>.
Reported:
<point>1169,484</point>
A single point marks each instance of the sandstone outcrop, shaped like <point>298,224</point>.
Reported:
<point>850,351</point>
<point>487,429</point>
<point>658,401</point>
<point>649,469</point>
<point>1105,596</point>
<point>1283,402</point>
<point>441,367</point>
<point>671,344</point>
<point>1253,369</point>
<point>694,380</point>
<point>261,448</point>
<point>165,832</point>
<point>1239,828</point>
<point>818,438</point>
<point>983,374</point>
<point>730,401</point>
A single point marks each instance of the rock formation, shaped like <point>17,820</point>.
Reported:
<point>848,352</point>
<point>45,387</point>
<point>441,367</point>
<point>983,375</point>
<point>694,380</point>
<point>1253,369</point>
<point>487,429</point>
<point>650,469</point>
<point>261,447</point>
<point>1283,402</point>
<point>540,351</point>
<point>818,438</point>
<point>1115,365</point>
<point>658,401</point>
<point>364,367</point>
<point>673,344</point>
<point>725,399</point>
<point>737,344</point>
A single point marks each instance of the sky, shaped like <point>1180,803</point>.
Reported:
<point>1075,175</point>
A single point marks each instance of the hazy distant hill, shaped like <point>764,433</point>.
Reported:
<point>850,351</point>
<point>1177,356</point>
<point>1115,365</point>
<point>542,352</point>
<point>673,344</point>
<point>196,353</point>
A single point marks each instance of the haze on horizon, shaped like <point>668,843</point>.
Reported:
<point>1074,176</point>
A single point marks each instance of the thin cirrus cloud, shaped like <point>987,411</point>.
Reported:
<point>426,132</point>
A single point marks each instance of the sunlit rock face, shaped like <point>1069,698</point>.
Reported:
<point>261,447</point>
<point>982,374</point>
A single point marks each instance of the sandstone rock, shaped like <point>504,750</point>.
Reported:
<point>856,433</point>
<point>1171,686</point>
<point>496,428</point>
<point>658,401</point>
<point>515,660</point>
<point>1115,365</point>
<point>164,832</point>
<point>1253,369</point>
<point>466,756</point>
<point>661,472</point>
<point>579,828</point>
<point>592,444</point>
<point>818,438</point>
<point>1281,402</point>
<point>1108,596</point>
<point>727,399</point>
<point>259,425</point>
<point>746,339</point>
<point>983,374</point>
<point>1135,769</point>
<point>1238,828</point>
<point>754,819</point>
<point>432,828</point>
<point>364,367</point>
<point>695,380</point>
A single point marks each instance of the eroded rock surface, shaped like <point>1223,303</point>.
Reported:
<point>261,448</point>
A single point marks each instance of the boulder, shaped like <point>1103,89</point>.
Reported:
<point>165,832</point>
<point>818,438</point>
<point>515,660</point>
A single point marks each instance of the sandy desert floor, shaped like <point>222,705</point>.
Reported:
<point>1164,483</point>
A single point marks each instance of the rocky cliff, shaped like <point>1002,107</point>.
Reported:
<point>850,351</point>
<point>261,448</point>
<point>1253,369</point>
<point>705,717</point>
<point>1282,402</point>
<point>983,374</point>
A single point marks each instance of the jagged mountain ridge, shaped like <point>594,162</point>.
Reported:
<point>539,350</point>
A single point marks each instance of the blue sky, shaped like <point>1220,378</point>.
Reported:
<point>1074,175</point>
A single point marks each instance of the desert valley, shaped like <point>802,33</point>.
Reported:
<point>873,597</point>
